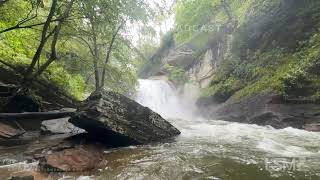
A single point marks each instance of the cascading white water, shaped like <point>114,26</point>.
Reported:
<point>162,98</point>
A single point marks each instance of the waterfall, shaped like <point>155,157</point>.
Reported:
<point>162,98</point>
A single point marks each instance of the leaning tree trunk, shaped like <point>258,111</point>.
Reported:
<point>35,115</point>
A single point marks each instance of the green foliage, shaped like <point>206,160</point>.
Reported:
<point>167,40</point>
<point>107,47</point>
<point>18,47</point>
<point>222,89</point>
<point>291,75</point>
<point>297,77</point>
<point>190,14</point>
<point>203,18</point>
<point>73,70</point>
<point>153,62</point>
<point>176,75</point>
<point>73,84</point>
<point>121,80</point>
<point>264,56</point>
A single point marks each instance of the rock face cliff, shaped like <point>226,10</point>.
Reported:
<point>261,66</point>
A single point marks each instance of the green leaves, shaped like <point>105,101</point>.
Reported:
<point>176,75</point>
<point>85,38</point>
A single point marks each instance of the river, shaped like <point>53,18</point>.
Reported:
<point>208,149</point>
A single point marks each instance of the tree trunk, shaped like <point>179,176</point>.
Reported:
<point>96,57</point>
<point>43,40</point>
<point>53,55</point>
<point>35,115</point>
<point>109,54</point>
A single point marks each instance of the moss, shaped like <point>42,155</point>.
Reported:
<point>14,51</point>
<point>296,77</point>
<point>71,84</point>
<point>222,90</point>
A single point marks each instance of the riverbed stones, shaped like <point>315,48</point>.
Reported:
<point>120,121</point>
<point>75,159</point>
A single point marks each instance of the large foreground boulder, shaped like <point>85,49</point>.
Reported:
<point>120,121</point>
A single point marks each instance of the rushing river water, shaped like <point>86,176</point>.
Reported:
<point>209,149</point>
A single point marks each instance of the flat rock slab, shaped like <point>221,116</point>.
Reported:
<point>183,56</point>
<point>59,126</point>
<point>120,121</point>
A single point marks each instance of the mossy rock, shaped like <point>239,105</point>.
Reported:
<point>22,103</point>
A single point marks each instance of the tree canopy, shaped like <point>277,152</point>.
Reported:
<point>76,44</point>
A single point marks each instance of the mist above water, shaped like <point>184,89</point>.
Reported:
<point>162,98</point>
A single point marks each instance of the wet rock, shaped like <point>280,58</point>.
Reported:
<point>29,174</point>
<point>315,127</point>
<point>182,56</point>
<point>7,89</point>
<point>22,139</point>
<point>35,123</point>
<point>77,159</point>
<point>266,109</point>
<point>21,103</point>
<point>7,131</point>
<point>59,126</point>
<point>120,121</point>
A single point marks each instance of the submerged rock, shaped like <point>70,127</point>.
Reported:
<point>120,121</point>
<point>76,159</point>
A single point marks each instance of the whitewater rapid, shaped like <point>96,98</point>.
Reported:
<point>243,142</point>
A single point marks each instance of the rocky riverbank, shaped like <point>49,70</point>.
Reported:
<point>266,109</point>
<point>77,141</point>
